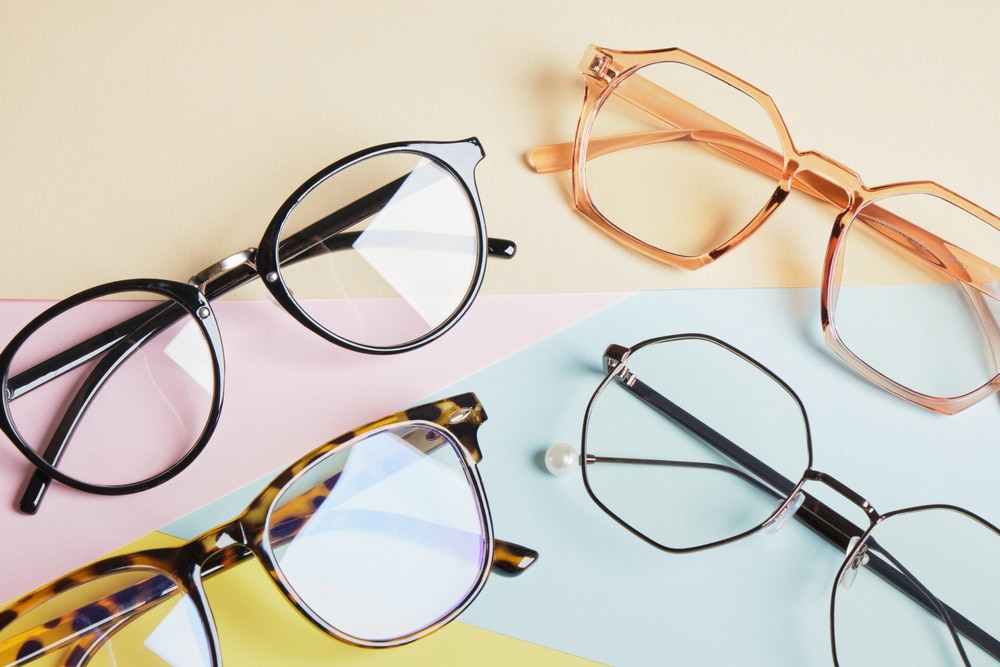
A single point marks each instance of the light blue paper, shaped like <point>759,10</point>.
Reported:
<point>599,592</point>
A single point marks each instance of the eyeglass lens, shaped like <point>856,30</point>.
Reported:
<point>377,541</point>
<point>384,538</point>
<point>901,305</point>
<point>950,559</point>
<point>402,261</point>
<point>660,475</point>
<point>679,190</point>
<point>96,625</point>
<point>133,399</point>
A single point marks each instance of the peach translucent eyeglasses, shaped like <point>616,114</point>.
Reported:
<point>682,161</point>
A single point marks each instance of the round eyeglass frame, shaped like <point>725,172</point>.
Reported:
<point>195,304</point>
<point>458,158</point>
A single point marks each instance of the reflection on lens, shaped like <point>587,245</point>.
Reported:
<point>902,306</point>
<point>384,538</point>
<point>945,605</point>
<point>696,446</point>
<point>384,251</point>
<point>128,387</point>
<point>680,181</point>
<point>134,617</point>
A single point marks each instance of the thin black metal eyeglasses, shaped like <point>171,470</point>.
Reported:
<point>381,252</point>
<point>377,538</point>
<point>689,444</point>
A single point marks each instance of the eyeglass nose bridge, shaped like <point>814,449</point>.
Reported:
<point>844,491</point>
<point>829,179</point>
<point>242,258</point>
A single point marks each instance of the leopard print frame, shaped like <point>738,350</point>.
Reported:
<point>81,632</point>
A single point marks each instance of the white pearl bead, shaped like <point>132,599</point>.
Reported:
<point>561,459</point>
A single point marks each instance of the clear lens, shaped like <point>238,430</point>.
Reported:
<point>946,561</point>
<point>696,445</point>
<point>383,252</point>
<point>682,178</point>
<point>385,538</point>
<point>901,306</point>
<point>123,386</point>
<point>128,618</point>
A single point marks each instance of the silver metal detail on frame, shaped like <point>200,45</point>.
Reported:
<point>459,415</point>
<point>240,258</point>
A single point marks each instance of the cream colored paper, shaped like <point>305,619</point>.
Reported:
<point>151,139</point>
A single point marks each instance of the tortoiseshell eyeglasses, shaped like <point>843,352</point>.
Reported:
<point>381,252</point>
<point>690,444</point>
<point>682,161</point>
<point>377,538</point>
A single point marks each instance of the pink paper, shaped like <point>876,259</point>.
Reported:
<point>287,391</point>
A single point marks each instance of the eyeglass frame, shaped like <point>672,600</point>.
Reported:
<point>459,158</point>
<point>806,508</point>
<point>811,172</point>
<point>242,537</point>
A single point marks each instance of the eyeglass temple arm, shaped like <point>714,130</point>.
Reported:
<point>328,231</point>
<point>818,516</point>
<point>325,233</point>
<point>726,140</point>
<point>124,345</point>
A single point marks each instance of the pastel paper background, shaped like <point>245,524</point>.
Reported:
<point>602,594</point>
<point>152,140</point>
<point>287,392</point>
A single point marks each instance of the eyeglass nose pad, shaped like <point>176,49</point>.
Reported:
<point>561,459</point>
<point>273,301</point>
<point>790,509</point>
<point>851,571</point>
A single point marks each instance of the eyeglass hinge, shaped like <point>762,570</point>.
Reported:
<point>625,376</point>
<point>460,415</point>
<point>614,363</point>
<point>603,67</point>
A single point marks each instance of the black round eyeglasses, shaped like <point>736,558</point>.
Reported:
<point>381,252</point>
